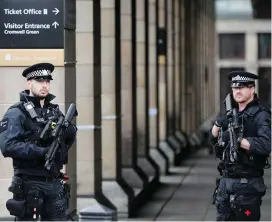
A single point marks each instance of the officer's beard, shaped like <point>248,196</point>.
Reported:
<point>38,96</point>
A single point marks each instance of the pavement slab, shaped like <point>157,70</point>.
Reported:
<point>186,194</point>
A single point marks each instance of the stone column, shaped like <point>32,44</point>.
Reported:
<point>153,108</point>
<point>162,82</point>
<point>90,197</point>
<point>128,70</point>
<point>211,51</point>
<point>188,70</point>
<point>196,65</point>
<point>251,41</point>
<point>251,45</point>
<point>140,77</point>
<point>155,152</point>
<point>126,83</point>
<point>169,67</point>
<point>183,38</point>
<point>144,161</point>
<point>193,89</point>
<point>201,66</point>
<point>206,69</point>
<point>70,92</point>
<point>177,70</point>
<point>188,62</point>
<point>161,72</point>
<point>113,185</point>
<point>208,50</point>
<point>171,80</point>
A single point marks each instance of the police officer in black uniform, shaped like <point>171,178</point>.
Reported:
<point>36,191</point>
<point>241,187</point>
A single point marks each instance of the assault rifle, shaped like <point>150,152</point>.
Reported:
<point>235,130</point>
<point>57,134</point>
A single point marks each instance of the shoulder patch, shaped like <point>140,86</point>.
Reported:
<point>4,125</point>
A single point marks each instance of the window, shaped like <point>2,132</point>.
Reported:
<point>264,45</point>
<point>232,46</point>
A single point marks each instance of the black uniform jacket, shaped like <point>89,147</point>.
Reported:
<point>27,157</point>
<point>257,128</point>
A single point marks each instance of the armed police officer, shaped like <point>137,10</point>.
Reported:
<point>36,190</point>
<point>242,140</point>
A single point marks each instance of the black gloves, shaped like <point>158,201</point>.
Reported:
<point>70,134</point>
<point>220,121</point>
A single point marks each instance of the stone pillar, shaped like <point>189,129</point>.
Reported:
<point>177,70</point>
<point>251,44</point>
<point>70,92</point>
<point>208,50</point>
<point>201,66</point>
<point>130,171</point>
<point>140,77</point>
<point>214,81</point>
<point>172,80</point>
<point>90,197</point>
<point>205,56</point>
<point>153,106</point>
<point>153,66</point>
<point>161,72</point>
<point>169,69</point>
<point>144,161</point>
<point>162,82</point>
<point>183,38</point>
<point>193,89</point>
<point>113,185</point>
<point>188,70</point>
<point>197,65</point>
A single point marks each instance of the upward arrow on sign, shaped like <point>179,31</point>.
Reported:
<point>56,11</point>
<point>55,24</point>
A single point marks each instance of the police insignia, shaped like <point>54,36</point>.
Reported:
<point>3,125</point>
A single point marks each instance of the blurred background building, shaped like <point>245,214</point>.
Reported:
<point>244,43</point>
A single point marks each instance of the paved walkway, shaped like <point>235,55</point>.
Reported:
<point>186,195</point>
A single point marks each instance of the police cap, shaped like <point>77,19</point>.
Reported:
<point>242,78</point>
<point>39,71</point>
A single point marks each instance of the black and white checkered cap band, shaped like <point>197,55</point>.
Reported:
<point>43,72</point>
<point>242,78</point>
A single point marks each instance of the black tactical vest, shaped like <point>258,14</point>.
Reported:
<point>33,128</point>
<point>248,162</point>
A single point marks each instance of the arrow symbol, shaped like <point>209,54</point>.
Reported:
<point>56,11</point>
<point>55,24</point>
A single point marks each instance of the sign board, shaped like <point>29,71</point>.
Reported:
<point>31,31</point>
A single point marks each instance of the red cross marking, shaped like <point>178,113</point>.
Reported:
<point>247,212</point>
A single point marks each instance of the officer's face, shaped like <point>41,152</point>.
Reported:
<point>39,87</point>
<point>243,94</point>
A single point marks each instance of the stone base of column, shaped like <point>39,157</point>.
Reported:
<point>160,159</point>
<point>148,167</point>
<point>142,190</point>
<point>117,195</point>
<point>169,152</point>
<point>132,178</point>
<point>72,215</point>
<point>183,138</point>
<point>177,147</point>
<point>91,209</point>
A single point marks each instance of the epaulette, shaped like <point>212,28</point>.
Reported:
<point>18,105</point>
